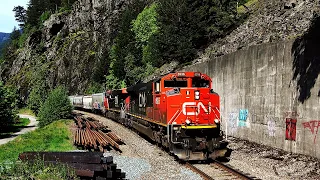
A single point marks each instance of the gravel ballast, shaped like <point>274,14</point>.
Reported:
<point>142,160</point>
<point>264,162</point>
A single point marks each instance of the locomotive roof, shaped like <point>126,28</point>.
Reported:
<point>140,87</point>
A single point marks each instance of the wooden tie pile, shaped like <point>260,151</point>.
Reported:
<point>87,165</point>
<point>92,134</point>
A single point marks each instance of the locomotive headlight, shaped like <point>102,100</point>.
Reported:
<point>188,121</point>
<point>216,121</point>
<point>197,93</point>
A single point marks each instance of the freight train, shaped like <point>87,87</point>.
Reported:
<point>179,111</point>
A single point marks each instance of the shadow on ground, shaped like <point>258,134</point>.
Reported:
<point>7,135</point>
<point>9,131</point>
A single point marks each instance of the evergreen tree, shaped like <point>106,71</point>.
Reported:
<point>20,14</point>
<point>187,25</point>
<point>35,10</point>
<point>124,51</point>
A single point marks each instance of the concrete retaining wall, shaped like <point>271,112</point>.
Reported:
<point>270,94</point>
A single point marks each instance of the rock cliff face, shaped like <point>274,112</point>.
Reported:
<point>270,21</point>
<point>71,47</point>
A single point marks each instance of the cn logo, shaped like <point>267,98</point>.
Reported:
<point>196,108</point>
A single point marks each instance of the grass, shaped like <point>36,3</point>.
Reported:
<point>242,9</point>
<point>22,122</point>
<point>54,137</point>
<point>26,111</point>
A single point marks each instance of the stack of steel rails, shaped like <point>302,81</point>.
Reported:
<point>93,135</point>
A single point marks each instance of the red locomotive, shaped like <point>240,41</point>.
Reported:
<point>179,111</point>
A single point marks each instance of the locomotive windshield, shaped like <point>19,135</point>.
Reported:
<point>198,82</point>
<point>175,83</point>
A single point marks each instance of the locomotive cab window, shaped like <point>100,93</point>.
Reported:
<point>157,89</point>
<point>175,83</point>
<point>198,82</point>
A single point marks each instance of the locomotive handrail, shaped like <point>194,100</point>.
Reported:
<point>168,128</point>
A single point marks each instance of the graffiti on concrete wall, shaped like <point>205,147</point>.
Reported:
<point>232,122</point>
<point>291,124</point>
<point>243,116</point>
<point>271,127</point>
<point>313,126</point>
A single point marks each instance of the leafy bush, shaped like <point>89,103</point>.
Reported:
<point>57,106</point>
<point>36,98</point>
<point>8,101</point>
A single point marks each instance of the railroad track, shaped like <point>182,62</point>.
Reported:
<point>220,171</point>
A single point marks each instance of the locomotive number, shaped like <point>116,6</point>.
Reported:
<point>196,107</point>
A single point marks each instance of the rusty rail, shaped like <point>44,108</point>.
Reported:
<point>90,135</point>
<point>196,170</point>
<point>226,172</point>
<point>232,171</point>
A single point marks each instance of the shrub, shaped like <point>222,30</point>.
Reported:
<point>57,106</point>
<point>8,102</point>
<point>36,98</point>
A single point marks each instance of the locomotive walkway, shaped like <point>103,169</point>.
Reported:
<point>30,127</point>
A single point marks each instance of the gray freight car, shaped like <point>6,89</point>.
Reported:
<point>78,101</point>
<point>97,102</point>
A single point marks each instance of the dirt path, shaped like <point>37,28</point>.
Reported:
<point>31,127</point>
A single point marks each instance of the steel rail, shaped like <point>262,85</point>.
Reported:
<point>196,170</point>
<point>240,175</point>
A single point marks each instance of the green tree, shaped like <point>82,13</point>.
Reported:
<point>9,48</point>
<point>146,29</point>
<point>145,25</point>
<point>124,50</point>
<point>57,106</point>
<point>189,25</point>
<point>20,14</point>
<point>8,101</point>
<point>39,89</point>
